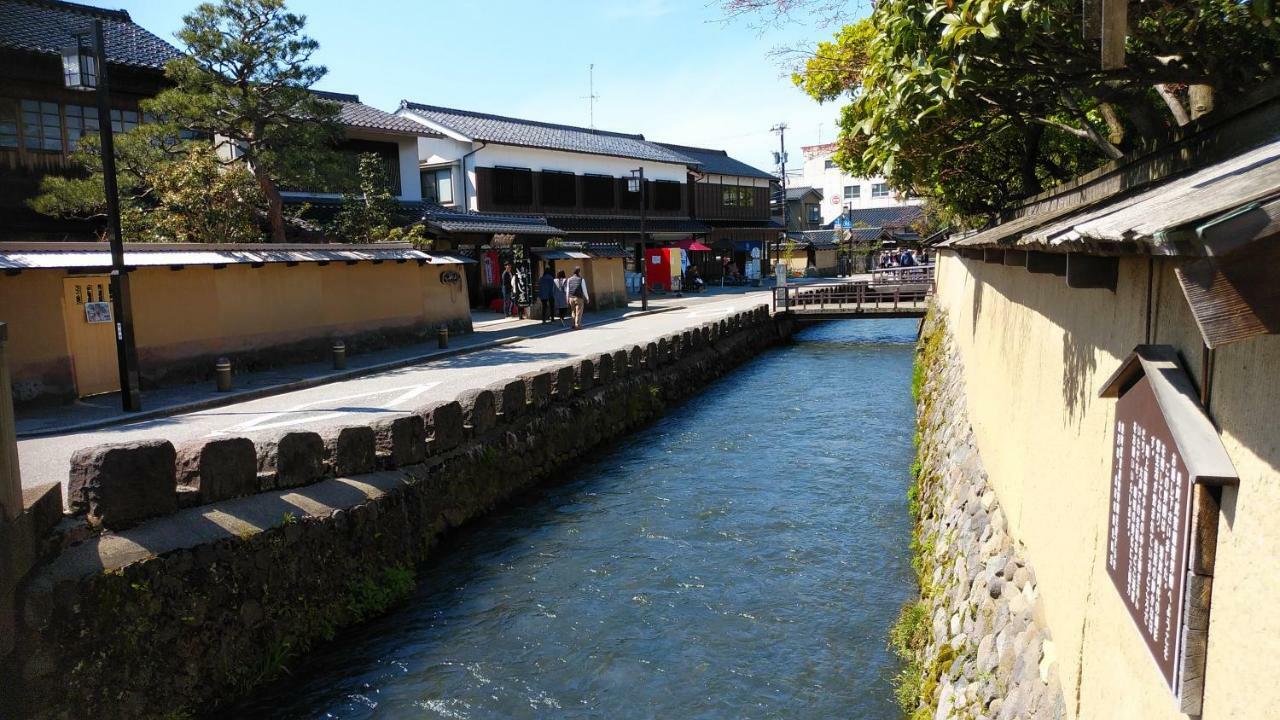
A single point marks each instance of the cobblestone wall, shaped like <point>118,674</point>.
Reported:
<point>976,644</point>
<point>189,624</point>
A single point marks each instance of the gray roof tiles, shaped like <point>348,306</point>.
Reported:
<point>717,162</point>
<point>358,115</point>
<point>531,133</point>
<point>46,26</point>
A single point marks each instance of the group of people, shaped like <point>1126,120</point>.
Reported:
<point>903,258</point>
<point>561,296</point>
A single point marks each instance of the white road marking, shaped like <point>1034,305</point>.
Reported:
<point>709,313</point>
<point>407,393</point>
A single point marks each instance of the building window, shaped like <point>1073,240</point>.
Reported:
<point>880,190</point>
<point>81,120</point>
<point>559,189</point>
<point>814,212</point>
<point>628,200</point>
<point>737,197</point>
<point>123,120</point>
<point>8,124</point>
<point>437,186</point>
<point>512,186</point>
<point>597,191</point>
<point>829,165</point>
<point>41,125</point>
<point>666,195</point>
<point>852,192</point>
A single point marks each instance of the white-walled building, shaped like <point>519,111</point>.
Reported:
<point>841,191</point>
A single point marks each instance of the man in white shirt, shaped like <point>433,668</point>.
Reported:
<point>576,289</point>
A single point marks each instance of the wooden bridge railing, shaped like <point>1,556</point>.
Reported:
<point>896,275</point>
<point>855,297</point>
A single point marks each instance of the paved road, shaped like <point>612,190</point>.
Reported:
<point>381,395</point>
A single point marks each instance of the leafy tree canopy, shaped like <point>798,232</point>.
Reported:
<point>371,213</point>
<point>171,190</point>
<point>244,82</point>
<point>978,103</point>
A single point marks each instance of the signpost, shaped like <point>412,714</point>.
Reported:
<point>1167,459</point>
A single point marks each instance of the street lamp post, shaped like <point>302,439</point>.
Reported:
<point>88,71</point>
<point>636,184</point>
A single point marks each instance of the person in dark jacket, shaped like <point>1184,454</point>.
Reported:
<point>547,293</point>
<point>562,297</point>
<point>508,290</point>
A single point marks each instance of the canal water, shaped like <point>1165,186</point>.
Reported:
<point>744,557</point>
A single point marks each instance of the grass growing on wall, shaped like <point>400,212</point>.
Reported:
<point>915,684</point>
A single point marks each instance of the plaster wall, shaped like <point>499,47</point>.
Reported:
<point>31,304</point>
<point>734,180</point>
<point>606,282</point>
<point>198,311</point>
<point>1035,354</point>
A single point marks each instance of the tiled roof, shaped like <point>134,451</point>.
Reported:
<point>46,26</point>
<point>865,235</point>
<point>530,133</point>
<point>626,225</point>
<point>718,162</point>
<point>454,220</point>
<point>358,115</point>
<point>898,216</point>
<point>815,238</point>
<point>770,224</point>
<point>795,193</point>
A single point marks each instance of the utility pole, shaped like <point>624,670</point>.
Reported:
<point>591,96</point>
<point>781,129</point>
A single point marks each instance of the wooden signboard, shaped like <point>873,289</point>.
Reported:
<point>1164,446</point>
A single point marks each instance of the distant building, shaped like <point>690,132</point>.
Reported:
<point>840,191</point>
<point>804,208</point>
<point>733,198</point>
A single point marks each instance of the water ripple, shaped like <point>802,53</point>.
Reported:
<point>741,558</point>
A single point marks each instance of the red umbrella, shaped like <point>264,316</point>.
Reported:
<point>691,244</point>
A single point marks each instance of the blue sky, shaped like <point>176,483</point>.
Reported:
<point>670,69</point>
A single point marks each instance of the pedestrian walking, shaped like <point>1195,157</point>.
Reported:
<point>576,288</point>
<point>547,294</point>
<point>508,290</point>
<point>562,297</point>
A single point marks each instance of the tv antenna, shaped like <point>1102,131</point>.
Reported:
<point>591,96</point>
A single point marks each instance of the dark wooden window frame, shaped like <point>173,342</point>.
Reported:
<point>667,195</point>
<point>512,186</point>
<point>599,192</point>
<point>559,188</point>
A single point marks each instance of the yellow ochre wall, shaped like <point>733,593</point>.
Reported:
<point>198,311</point>
<point>1035,355</point>
<point>606,282</point>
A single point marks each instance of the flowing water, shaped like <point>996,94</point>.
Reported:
<point>743,557</point>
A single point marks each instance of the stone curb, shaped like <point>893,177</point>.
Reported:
<point>306,383</point>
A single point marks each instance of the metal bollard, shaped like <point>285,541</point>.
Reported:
<point>339,355</point>
<point>442,337</point>
<point>222,373</point>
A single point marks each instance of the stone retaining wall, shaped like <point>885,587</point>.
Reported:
<point>186,605</point>
<point>976,643</point>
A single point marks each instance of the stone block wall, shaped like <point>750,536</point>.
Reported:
<point>976,643</point>
<point>211,600</point>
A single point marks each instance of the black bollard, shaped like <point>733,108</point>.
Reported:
<point>339,355</point>
<point>222,373</point>
<point>442,337</point>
